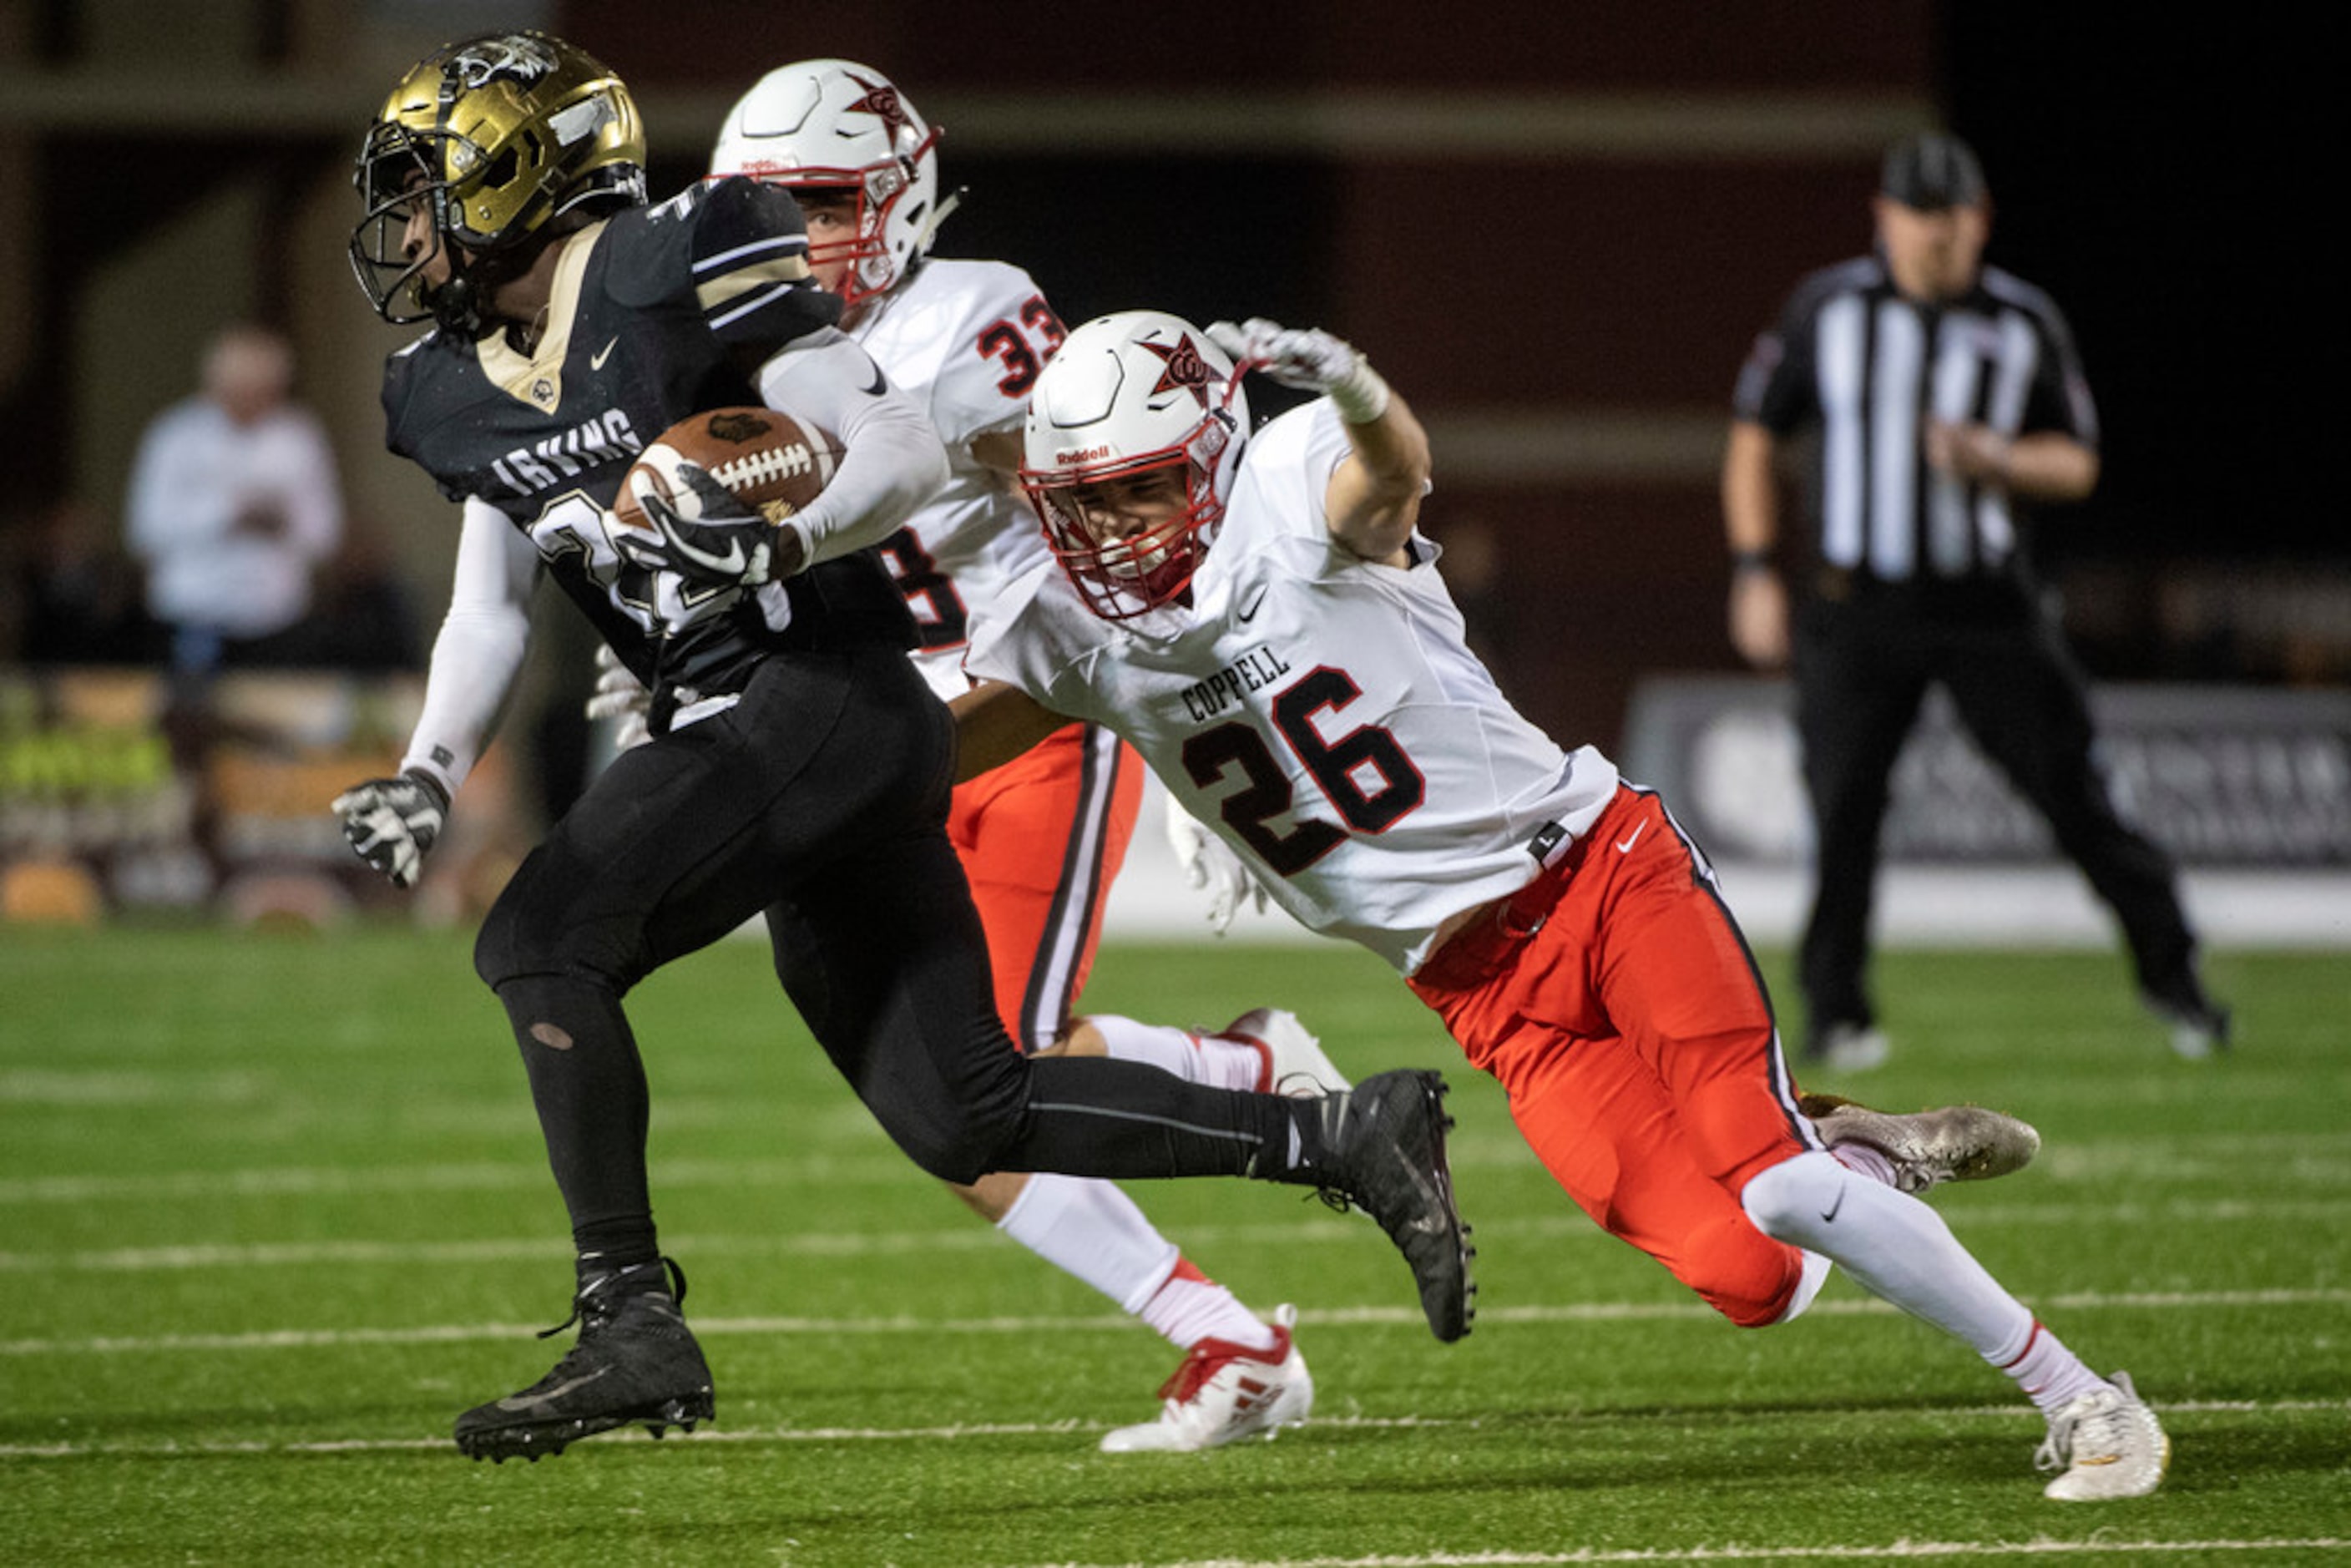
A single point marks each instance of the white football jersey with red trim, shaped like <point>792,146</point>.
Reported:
<point>969,339</point>
<point>1322,714</point>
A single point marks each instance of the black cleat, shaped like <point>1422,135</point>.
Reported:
<point>1385,1139</point>
<point>635,1361</point>
<point>2198,1026</point>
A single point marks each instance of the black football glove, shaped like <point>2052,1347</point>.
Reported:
<point>391,822</point>
<point>723,544</point>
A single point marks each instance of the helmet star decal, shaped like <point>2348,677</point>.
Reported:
<point>1183,367</point>
<point>881,100</point>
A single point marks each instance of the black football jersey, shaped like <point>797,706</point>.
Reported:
<point>657,313</point>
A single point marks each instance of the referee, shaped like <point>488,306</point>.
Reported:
<point>1937,399</point>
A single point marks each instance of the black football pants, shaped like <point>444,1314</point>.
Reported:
<point>1861,671</point>
<point>819,799</point>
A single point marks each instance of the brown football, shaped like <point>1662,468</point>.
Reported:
<point>770,460</point>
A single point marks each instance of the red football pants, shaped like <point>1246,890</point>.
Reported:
<point>1042,839</point>
<point>1634,1036</point>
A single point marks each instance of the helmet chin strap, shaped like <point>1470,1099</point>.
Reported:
<point>938,215</point>
<point>462,304</point>
<point>455,305</point>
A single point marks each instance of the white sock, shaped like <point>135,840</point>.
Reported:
<point>1191,1307</point>
<point>1208,1059</point>
<point>1092,1232</point>
<point>2051,1375</point>
<point>1808,1285</point>
<point>1090,1229</point>
<point>1893,1246</point>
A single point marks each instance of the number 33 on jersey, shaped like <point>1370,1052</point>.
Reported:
<point>969,339</point>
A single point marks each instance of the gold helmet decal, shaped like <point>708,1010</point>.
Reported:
<point>518,58</point>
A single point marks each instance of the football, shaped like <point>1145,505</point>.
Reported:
<point>768,460</point>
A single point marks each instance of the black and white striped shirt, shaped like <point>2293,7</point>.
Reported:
<point>1854,362</point>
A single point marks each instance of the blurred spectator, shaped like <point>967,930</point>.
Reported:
<point>234,501</point>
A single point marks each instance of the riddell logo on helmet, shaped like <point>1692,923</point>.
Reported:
<point>1082,455</point>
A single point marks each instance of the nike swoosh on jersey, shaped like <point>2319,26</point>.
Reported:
<point>1249,613</point>
<point>596,361</point>
<point>1631,838</point>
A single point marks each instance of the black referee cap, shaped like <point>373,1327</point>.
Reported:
<point>1931,171</point>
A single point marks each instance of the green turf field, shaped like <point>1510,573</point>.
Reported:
<point>272,1209</point>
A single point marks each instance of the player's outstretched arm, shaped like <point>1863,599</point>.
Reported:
<point>1374,500</point>
<point>996,723</point>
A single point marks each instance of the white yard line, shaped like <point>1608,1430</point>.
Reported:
<point>1567,1225</point>
<point>1334,1317</point>
<point>1894,1551</point>
<point>792,1435</point>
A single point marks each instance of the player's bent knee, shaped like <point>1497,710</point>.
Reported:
<point>1750,1278</point>
<point>958,1145</point>
<point>511,945</point>
<point>1798,1200</point>
<point>958,1162</point>
<point>530,930</point>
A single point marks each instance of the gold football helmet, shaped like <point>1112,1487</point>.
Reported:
<point>492,139</point>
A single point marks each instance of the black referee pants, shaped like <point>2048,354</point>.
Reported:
<point>819,799</point>
<point>1862,670</point>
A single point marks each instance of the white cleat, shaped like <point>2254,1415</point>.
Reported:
<point>1294,1063</point>
<point>1928,1148</point>
<point>2109,1444</point>
<point>2198,1026</point>
<point>1850,1048</point>
<point>1224,1392</point>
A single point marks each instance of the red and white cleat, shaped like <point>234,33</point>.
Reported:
<point>1294,1061</point>
<point>1224,1392</point>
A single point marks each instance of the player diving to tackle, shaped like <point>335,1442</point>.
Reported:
<point>1261,616</point>
<point>798,767</point>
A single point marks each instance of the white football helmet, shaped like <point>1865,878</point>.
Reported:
<point>838,125</point>
<point>1127,395</point>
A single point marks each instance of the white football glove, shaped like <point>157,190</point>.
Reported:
<point>1209,863</point>
<point>706,537</point>
<point>1310,359</point>
<point>703,552</point>
<point>391,823</point>
<point>619,694</point>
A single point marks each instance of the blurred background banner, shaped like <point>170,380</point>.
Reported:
<point>2219,776</point>
<point>120,796</point>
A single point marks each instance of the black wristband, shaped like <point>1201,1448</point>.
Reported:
<point>1746,560</point>
<point>433,786</point>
